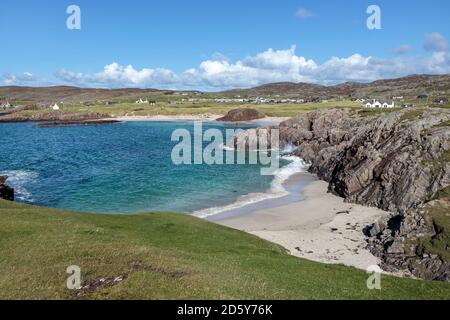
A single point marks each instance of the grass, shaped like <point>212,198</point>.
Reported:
<point>185,108</point>
<point>438,216</point>
<point>411,115</point>
<point>169,256</point>
<point>440,163</point>
<point>443,124</point>
<point>376,112</point>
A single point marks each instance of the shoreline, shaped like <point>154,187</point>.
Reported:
<point>267,121</point>
<point>305,219</point>
<point>200,117</point>
<point>281,191</point>
<point>316,225</point>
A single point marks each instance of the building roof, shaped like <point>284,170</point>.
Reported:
<point>378,100</point>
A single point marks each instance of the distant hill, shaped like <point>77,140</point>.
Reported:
<point>433,85</point>
<point>406,86</point>
<point>72,94</point>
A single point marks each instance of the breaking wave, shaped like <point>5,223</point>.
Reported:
<point>277,190</point>
<point>19,180</point>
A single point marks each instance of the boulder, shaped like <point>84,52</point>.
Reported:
<point>242,114</point>
<point>6,193</point>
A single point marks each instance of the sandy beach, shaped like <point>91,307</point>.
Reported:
<point>319,227</point>
<point>194,117</point>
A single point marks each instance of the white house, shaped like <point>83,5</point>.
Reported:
<point>54,106</point>
<point>140,101</point>
<point>375,103</point>
<point>5,105</point>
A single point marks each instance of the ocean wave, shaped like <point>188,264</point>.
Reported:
<point>225,147</point>
<point>19,179</point>
<point>296,165</point>
<point>289,148</point>
<point>276,190</point>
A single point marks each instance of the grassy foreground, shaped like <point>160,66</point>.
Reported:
<point>168,256</point>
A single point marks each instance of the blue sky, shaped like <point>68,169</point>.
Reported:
<point>212,45</point>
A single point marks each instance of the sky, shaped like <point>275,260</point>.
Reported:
<point>219,44</point>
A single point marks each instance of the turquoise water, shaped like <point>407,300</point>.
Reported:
<point>117,168</point>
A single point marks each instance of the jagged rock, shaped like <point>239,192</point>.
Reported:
<point>242,114</point>
<point>376,161</point>
<point>391,160</point>
<point>6,193</point>
<point>396,247</point>
<point>372,161</point>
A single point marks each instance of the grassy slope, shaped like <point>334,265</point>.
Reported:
<point>169,256</point>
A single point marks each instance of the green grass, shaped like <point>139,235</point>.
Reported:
<point>367,112</point>
<point>168,256</point>
<point>443,124</point>
<point>185,108</point>
<point>442,194</point>
<point>411,115</point>
<point>440,163</point>
<point>438,216</point>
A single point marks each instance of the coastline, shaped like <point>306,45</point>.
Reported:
<point>200,117</point>
<point>181,117</point>
<point>316,226</point>
<point>302,218</point>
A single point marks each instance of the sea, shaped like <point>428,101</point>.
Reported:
<point>126,167</point>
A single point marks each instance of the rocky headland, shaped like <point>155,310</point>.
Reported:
<point>395,160</point>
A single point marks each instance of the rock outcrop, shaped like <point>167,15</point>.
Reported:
<point>388,161</point>
<point>51,116</point>
<point>242,114</point>
<point>393,160</point>
<point>76,123</point>
<point>6,193</point>
<point>398,241</point>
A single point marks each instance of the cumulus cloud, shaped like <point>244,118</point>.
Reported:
<point>116,75</point>
<point>18,78</point>
<point>304,13</point>
<point>435,42</point>
<point>271,65</point>
<point>404,48</point>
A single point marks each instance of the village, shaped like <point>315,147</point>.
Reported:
<point>194,99</point>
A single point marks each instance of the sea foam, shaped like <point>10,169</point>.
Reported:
<point>19,179</point>
<point>277,190</point>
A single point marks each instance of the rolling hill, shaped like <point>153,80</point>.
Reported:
<point>411,86</point>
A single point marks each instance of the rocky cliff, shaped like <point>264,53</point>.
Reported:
<point>394,160</point>
<point>389,160</point>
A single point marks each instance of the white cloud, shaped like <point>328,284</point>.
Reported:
<point>116,75</point>
<point>18,78</point>
<point>269,66</point>
<point>404,48</point>
<point>435,42</point>
<point>304,13</point>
